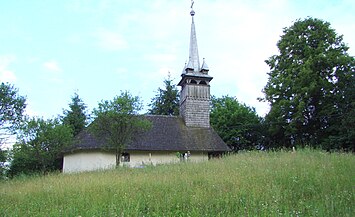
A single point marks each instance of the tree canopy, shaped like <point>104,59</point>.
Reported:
<point>166,101</point>
<point>116,121</point>
<point>237,124</point>
<point>311,88</point>
<point>76,116</point>
<point>40,146</point>
<point>12,107</point>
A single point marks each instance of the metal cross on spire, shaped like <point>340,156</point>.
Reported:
<point>192,10</point>
<point>192,3</point>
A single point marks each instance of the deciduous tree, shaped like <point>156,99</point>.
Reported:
<point>117,121</point>
<point>237,124</point>
<point>12,107</point>
<point>310,87</point>
<point>40,146</point>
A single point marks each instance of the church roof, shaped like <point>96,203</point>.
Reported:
<point>204,66</point>
<point>168,133</point>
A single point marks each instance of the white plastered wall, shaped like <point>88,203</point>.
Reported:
<point>139,158</point>
<point>97,160</point>
<point>88,161</point>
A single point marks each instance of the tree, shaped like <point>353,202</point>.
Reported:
<point>23,161</point>
<point>237,124</point>
<point>40,146</point>
<point>12,107</point>
<point>310,87</point>
<point>76,116</point>
<point>3,158</point>
<point>341,130</point>
<point>166,101</point>
<point>117,121</point>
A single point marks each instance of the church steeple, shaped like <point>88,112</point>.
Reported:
<point>193,65</point>
<point>195,86</point>
<point>194,61</point>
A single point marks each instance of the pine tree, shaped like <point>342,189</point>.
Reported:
<point>166,101</point>
<point>76,116</point>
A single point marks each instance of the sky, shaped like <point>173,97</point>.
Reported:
<point>51,49</point>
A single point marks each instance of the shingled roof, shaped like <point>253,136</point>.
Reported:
<point>168,133</point>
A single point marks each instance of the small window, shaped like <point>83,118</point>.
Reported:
<point>193,82</point>
<point>125,157</point>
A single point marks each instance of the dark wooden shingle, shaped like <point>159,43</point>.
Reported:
<point>168,133</point>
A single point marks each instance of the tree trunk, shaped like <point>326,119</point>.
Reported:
<point>118,156</point>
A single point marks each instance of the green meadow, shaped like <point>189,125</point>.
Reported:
<point>304,183</point>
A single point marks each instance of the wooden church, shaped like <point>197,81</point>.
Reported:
<point>189,134</point>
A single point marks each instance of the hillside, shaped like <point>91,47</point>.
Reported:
<point>305,183</point>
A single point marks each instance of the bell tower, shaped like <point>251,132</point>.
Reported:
<point>195,86</point>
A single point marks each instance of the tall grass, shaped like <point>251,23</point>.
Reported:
<point>306,183</point>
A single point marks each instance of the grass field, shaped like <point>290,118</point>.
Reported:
<point>305,183</point>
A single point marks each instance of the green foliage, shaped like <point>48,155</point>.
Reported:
<point>76,116</point>
<point>305,183</point>
<point>238,125</point>
<point>3,158</point>
<point>12,107</point>
<point>40,147</point>
<point>117,121</point>
<point>311,88</point>
<point>166,101</point>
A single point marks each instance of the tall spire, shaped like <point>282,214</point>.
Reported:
<point>194,62</point>
<point>195,86</point>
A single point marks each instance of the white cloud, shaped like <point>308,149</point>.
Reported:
<point>30,110</point>
<point>161,58</point>
<point>52,66</point>
<point>121,70</point>
<point>6,75</point>
<point>89,6</point>
<point>32,59</point>
<point>74,38</point>
<point>53,71</point>
<point>109,40</point>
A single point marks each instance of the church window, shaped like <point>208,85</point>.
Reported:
<point>126,157</point>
